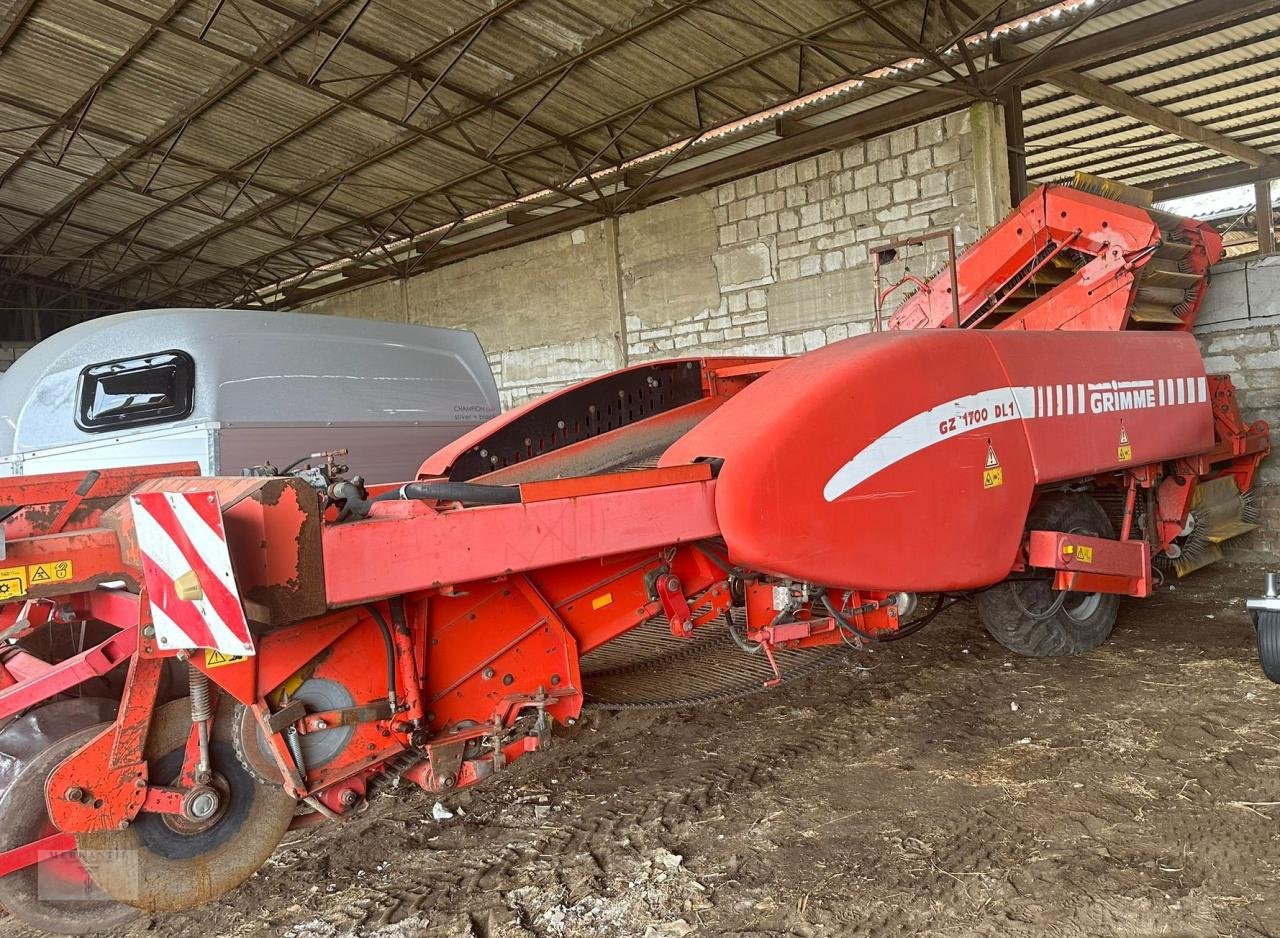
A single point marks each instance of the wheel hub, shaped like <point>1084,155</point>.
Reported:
<point>202,807</point>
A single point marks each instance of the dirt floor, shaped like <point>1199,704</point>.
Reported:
<point>940,786</point>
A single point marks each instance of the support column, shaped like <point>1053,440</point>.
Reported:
<point>1266,218</point>
<point>1015,144</point>
<point>614,273</point>
<point>990,163</point>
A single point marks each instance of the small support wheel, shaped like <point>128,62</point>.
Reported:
<point>1028,616</point>
<point>1268,627</point>
<point>56,894</point>
<point>164,863</point>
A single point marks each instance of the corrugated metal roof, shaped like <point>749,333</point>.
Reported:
<point>1226,80</point>
<point>244,151</point>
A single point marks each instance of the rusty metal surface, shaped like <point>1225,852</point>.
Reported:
<point>273,529</point>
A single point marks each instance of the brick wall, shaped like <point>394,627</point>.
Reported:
<point>789,263</point>
<point>772,263</point>
<point>1239,331</point>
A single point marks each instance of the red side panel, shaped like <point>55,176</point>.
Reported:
<point>908,460</point>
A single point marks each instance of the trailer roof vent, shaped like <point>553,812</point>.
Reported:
<point>131,392</point>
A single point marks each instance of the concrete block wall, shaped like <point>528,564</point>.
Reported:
<point>1239,332</point>
<point>769,264</point>
<point>11,352</point>
<point>780,259</point>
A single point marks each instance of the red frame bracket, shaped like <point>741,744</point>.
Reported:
<point>1092,564</point>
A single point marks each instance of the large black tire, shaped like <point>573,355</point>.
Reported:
<point>1268,625</point>
<point>1028,616</point>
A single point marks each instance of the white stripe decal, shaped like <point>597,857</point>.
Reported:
<point>954,417</point>
<point>165,626</point>
<point>999,405</point>
<point>211,548</point>
<point>164,553</point>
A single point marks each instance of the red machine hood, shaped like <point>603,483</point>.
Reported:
<point>908,460</point>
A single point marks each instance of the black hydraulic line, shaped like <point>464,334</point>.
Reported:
<point>912,627</point>
<point>471,492</point>
<point>715,558</point>
<point>401,624</point>
<point>901,633</point>
<point>390,644</point>
<point>849,626</point>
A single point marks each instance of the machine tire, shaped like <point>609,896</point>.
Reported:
<point>1017,612</point>
<point>1268,626</point>
<point>56,895</point>
<point>152,867</point>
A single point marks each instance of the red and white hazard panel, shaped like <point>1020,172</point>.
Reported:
<point>187,568</point>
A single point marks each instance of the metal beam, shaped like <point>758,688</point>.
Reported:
<point>273,49</point>
<point>17,16</point>
<point>1266,218</point>
<point>1151,30</point>
<point>1125,103</point>
<point>1220,177</point>
<point>530,83</point>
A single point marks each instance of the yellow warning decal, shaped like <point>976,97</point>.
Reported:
<point>992,474</point>
<point>1084,554</point>
<point>13,583</point>
<point>602,600</point>
<point>1124,452</point>
<point>219,659</point>
<point>54,571</point>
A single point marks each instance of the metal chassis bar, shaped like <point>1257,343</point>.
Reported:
<point>372,560</point>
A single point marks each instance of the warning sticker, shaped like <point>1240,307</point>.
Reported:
<point>55,571</point>
<point>1124,452</point>
<point>13,583</point>
<point>1084,554</point>
<point>992,474</point>
<point>219,659</point>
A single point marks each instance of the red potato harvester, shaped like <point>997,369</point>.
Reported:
<point>267,654</point>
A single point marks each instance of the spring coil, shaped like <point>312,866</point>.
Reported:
<point>293,742</point>
<point>201,703</point>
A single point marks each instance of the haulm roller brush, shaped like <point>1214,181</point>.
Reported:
<point>264,653</point>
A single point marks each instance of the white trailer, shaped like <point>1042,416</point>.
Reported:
<point>231,389</point>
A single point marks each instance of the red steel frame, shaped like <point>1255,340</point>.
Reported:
<point>491,608</point>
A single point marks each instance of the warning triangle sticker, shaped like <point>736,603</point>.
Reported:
<point>39,574</point>
<point>992,461</point>
<point>1124,436</point>
<point>217,659</point>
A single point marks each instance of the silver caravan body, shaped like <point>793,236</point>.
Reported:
<point>231,389</point>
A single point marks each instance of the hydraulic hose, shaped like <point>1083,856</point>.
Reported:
<point>900,633</point>
<point>471,492</point>
<point>357,506</point>
<point>390,645</point>
<point>846,624</point>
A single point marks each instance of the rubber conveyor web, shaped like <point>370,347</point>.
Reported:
<point>650,669</point>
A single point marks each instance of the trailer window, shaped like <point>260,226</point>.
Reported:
<point>130,392</point>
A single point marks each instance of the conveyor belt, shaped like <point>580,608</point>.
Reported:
<point>649,669</point>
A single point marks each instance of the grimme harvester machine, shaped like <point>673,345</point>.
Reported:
<point>192,666</point>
